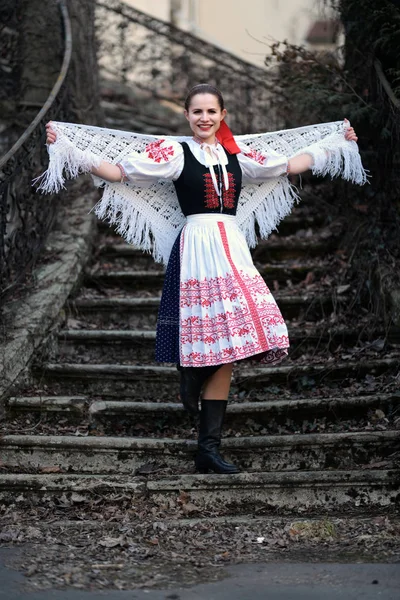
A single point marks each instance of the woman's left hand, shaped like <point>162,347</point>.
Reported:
<point>350,134</point>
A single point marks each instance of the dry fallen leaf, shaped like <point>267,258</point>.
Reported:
<point>77,498</point>
<point>110,542</point>
<point>184,497</point>
<point>54,469</point>
<point>341,289</point>
<point>153,541</point>
<point>189,507</point>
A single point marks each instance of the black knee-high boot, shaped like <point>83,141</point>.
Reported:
<point>192,380</point>
<point>211,420</point>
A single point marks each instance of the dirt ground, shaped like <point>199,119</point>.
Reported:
<point>73,543</point>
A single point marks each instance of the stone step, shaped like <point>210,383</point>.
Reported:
<point>30,487</point>
<point>117,345</point>
<point>161,382</point>
<point>145,280</point>
<point>317,523</point>
<point>281,248</point>
<point>291,415</point>
<point>303,491</point>
<point>362,492</point>
<point>114,252</point>
<point>126,279</point>
<point>74,405</point>
<point>244,416</point>
<point>119,455</point>
<point>271,250</point>
<point>300,219</point>
<point>138,313</point>
<point>132,313</point>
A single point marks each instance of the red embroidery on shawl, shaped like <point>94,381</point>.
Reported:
<point>158,154</point>
<point>257,156</point>
<point>211,196</point>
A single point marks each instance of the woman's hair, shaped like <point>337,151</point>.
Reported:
<point>204,88</point>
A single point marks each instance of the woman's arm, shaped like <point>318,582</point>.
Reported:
<point>109,172</point>
<point>304,162</point>
<point>300,164</point>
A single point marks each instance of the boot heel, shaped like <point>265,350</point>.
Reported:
<point>203,471</point>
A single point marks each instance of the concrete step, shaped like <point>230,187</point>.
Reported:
<point>119,455</point>
<point>141,312</point>
<point>126,279</point>
<point>129,279</point>
<point>270,250</point>
<point>115,250</point>
<point>161,382</point>
<point>74,405</point>
<point>281,248</point>
<point>246,416</point>
<point>120,345</point>
<point>358,491</point>
<point>300,219</point>
<point>133,313</point>
<point>299,415</point>
<point>33,487</point>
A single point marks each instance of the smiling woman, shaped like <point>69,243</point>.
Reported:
<point>215,308</point>
<point>204,109</point>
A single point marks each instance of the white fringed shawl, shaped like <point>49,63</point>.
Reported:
<point>150,217</point>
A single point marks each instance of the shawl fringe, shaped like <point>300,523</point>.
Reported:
<point>64,156</point>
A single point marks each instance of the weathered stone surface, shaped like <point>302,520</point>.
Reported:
<point>138,280</point>
<point>266,251</point>
<point>330,491</point>
<point>145,381</point>
<point>354,492</point>
<point>67,404</point>
<point>30,319</point>
<point>97,455</point>
<point>42,485</point>
<point>301,408</point>
<point>121,345</point>
<point>129,310</point>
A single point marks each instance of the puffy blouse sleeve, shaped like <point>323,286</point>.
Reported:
<point>161,160</point>
<point>258,167</point>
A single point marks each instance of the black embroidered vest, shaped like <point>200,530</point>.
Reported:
<point>195,188</point>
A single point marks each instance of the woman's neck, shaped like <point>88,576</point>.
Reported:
<point>209,141</point>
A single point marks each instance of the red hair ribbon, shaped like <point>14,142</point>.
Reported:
<point>225,137</point>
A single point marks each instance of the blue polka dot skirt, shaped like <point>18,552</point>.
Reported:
<point>167,337</point>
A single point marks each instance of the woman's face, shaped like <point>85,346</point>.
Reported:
<point>205,116</point>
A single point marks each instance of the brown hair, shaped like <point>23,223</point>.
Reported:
<point>204,88</point>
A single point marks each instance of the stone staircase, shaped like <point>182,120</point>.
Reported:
<point>318,434</point>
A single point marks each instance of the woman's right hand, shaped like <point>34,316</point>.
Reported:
<point>51,135</point>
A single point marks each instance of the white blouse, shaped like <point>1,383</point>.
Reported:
<point>164,160</point>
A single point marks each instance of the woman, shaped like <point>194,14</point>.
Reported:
<point>215,308</point>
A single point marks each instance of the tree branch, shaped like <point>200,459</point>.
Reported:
<point>385,83</point>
